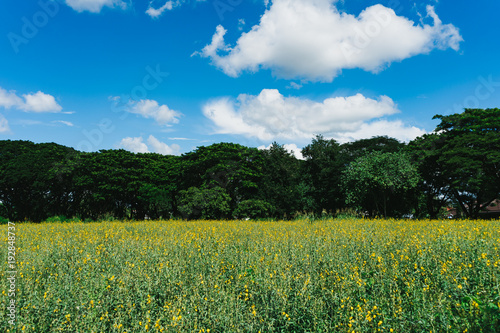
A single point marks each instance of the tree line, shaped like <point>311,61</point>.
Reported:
<point>458,164</point>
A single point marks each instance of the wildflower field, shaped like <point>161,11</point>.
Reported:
<point>245,276</point>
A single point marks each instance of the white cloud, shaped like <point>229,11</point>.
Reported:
<point>169,5</point>
<point>9,99</point>
<point>37,102</point>
<point>290,147</point>
<point>137,145</point>
<point>155,13</point>
<point>67,123</point>
<point>270,116</point>
<point>394,129</point>
<point>40,102</point>
<point>4,124</point>
<point>241,24</point>
<point>294,85</point>
<point>95,6</point>
<point>162,148</point>
<point>182,139</point>
<point>147,108</point>
<point>296,151</point>
<point>312,40</point>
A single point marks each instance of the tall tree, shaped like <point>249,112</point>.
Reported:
<point>107,183</point>
<point>159,183</point>
<point>28,187</point>
<point>380,182</point>
<point>321,176</point>
<point>280,181</point>
<point>464,154</point>
<point>235,168</point>
<point>205,203</point>
<point>434,191</point>
<point>125,185</point>
<point>352,150</point>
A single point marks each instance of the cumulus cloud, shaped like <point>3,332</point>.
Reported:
<point>394,129</point>
<point>150,109</point>
<point>312,40</point>
<point>137,145</point>
<point>290,147</point>
<point>162,148</point>
<point>9,99</point>
<point>4,124</point>
<point>38,102</point>
<point>95,6</point>
<point>270,116</point>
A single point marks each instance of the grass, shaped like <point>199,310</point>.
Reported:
<point>245,276</point>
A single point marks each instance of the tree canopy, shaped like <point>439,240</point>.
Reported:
<point>461,159</point>
<point>379,182</point>
<point>458,165</point>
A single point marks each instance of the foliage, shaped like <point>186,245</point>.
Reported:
<point>28,187</point>
<point>232,167</point>
<point>459,165</point>
<point>377,182</point>
<point>321,173</point>
<point>434,189</point>
<point>124,184</point>
<point>350,151</point>
<point>206,203</point>
<point>280,181</point>
<point>253,209</point>
<point>245,276</point>
<point>348,213</point>
<point>159,185</point>
<point>56,219</point>
<point>461,159</point>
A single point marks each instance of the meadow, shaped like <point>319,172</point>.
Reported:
<point>247,276</point>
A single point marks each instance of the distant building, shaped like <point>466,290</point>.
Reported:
<point>492,211</point>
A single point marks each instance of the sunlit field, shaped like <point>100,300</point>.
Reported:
<point>244,276</point>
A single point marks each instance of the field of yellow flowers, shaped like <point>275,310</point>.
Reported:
<point>245,276</point>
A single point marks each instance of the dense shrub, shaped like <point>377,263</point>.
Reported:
<point>253,209</point>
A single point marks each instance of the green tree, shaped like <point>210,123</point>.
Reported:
<point>126,185</point>
<point>232,167</point>
<point>107,183</point>
<point>380,182</point>
<point>204,203</point>
<point>253,209</point>
<point>321,175</point>
<point>30,187</point>
<point>434,191</point>
<point>158,184</point>
<point>462,158</point>
<point>350,151</point>
<point>280,181</point>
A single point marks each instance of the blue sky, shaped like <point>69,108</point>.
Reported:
<point>168,76</point>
